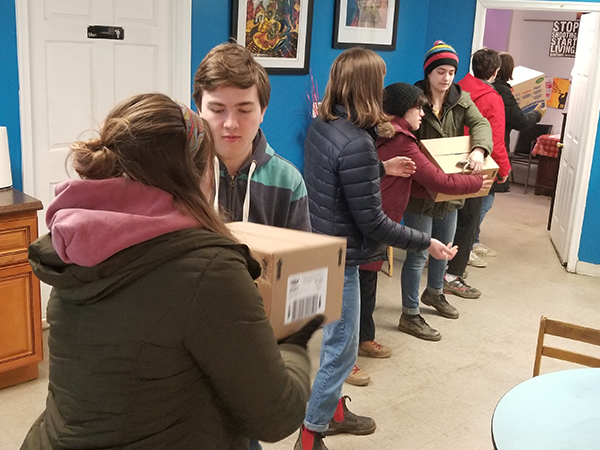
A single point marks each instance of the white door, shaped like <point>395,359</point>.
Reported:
<point>70,81</point>
<point>580,135</point>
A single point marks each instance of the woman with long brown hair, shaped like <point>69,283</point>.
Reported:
<point>158,336</point>
<point>342,175</point>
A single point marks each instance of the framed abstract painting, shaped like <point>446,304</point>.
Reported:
<point>277,32</point>
<point>369,23</point>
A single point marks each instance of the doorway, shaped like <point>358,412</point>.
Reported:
<point>71,78</point>
<point>570,204</point>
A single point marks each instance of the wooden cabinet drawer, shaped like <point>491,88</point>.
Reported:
<point>20,317</point>
<point>20,309</point>
<point>15,237</point>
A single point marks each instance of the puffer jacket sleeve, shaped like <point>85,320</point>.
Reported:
<point>358,168</point>
<point>262,386</point>
<point>479,127</point>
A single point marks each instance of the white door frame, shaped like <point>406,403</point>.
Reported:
<point>182,51</point>
<point>585,164</point>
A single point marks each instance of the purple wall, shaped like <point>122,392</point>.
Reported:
<point>497,29</point>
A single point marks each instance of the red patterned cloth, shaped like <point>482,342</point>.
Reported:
<point>546,145</point>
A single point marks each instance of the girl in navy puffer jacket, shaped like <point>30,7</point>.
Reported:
<point>342,175</point>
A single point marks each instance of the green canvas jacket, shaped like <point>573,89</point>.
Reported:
<point>459,112</point>
<point>164,345</point>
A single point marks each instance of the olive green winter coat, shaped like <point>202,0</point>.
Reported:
<point>164,345</point>
<point>459,112</point>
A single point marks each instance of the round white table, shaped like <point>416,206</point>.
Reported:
<point>553,411</point>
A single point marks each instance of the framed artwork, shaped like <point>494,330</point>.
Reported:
<point>277,32</point>
<point>369,23</point>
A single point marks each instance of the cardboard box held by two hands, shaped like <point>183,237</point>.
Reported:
<point>450,155</point>
<point>302,274</point>
<point>528,87</point>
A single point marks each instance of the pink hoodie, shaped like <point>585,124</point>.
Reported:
<point>91,220</point>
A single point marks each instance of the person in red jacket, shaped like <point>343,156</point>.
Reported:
<point>491,105</point>
<point>405,103</point>
<point>485,65</point>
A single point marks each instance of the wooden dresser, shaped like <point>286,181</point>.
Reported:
<point>21,346</point>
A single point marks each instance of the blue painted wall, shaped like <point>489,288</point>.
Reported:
<point>9,88</point>
<point>589,249</point>
<point>452,21</point>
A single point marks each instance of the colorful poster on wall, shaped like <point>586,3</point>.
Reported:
<point>560,90</point>
<point>277,32</point>
<point>563,39</point>
<point>548,81</point>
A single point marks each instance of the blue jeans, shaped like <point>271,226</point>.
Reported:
<point>486,205</point>
<point>442,229</point>
<point>339,348</point>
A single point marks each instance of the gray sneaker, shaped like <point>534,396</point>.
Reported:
<point>439,302</point>
<point>460,288</point>
<point>476,261</point>
<point>482,250</point>
<point>417,326</point>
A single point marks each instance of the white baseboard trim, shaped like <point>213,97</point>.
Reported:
<point>584,268</point>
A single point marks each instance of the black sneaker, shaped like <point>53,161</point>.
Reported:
<point>460,288</point>
<point>417,326</point>
<point>309,440</point>
<point>439,302</point>
<point>350,423</point>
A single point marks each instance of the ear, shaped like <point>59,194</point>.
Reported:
<point>493,77</point>
<point>262,114</point>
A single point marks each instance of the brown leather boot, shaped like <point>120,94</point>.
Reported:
<point>345,421</point>
<point>358,377</point>
<point>309,440</point>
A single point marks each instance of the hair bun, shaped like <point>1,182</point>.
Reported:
<point>92,145</point>
<point>93,160</point>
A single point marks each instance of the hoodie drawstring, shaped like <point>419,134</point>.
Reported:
<point>217,175</point>
<point>246,208</point>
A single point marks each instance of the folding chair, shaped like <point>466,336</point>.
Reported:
<point>524,146</point>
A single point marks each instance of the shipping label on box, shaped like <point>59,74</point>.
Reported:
<point>302,273</point>
<point>450,156</point>
<point>306,294</point>
<point>528,87</point>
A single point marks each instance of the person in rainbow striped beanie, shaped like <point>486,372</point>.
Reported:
<point>449,110</point>
<point>439,55</point>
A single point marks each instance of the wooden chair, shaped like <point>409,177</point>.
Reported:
<point>390,258</point>
<point>568,331</point>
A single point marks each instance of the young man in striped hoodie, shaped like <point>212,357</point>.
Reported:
<point>252,182</point>
<point>232,92</point>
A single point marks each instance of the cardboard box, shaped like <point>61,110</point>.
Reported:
<point>529,87</point>
<point>448,154</point>
<point>302,273</point>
